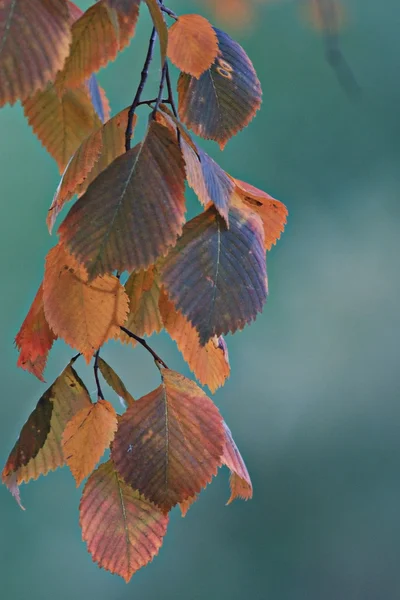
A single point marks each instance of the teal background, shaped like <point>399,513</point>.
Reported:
<point>313,401</point>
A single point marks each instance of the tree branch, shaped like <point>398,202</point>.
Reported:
<point>145,345</point>
<point>96,375</point>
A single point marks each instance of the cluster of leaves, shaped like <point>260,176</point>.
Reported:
<point>198,280</point>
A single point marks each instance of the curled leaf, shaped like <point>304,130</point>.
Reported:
<point>240,482</point>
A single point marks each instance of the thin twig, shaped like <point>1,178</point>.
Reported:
<point>160,89</point>
<point>145,345</point>
<point>74,358</point>
<point>96,375</point>
<point>170,91</point>
<point>168,11</point>
<point>143,78</point>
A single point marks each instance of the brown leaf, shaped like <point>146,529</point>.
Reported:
<point>83,314</point>
<point>225,98</point>
<point>134,211</point>
<point>209,363</point>
<point>192,44</point>
<point>122,530</point>
<point>38,449</point>
<point>87,436</point>
<point>114,381</point>
<point>217,276</point>
<point>240,481</point>
<point>34,43</point>
<point>169,443</point>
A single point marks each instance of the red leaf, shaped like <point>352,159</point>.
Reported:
<point>240,481</point>
<point>169,443</point>
<point>123,531</point>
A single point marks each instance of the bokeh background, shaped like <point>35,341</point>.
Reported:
<point>314,396</point>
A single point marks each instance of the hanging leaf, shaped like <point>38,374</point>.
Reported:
<point>99,99</point>
<point>61,122</point>
<point>273,213</point>
<point>143,291</point>
<point>97,37</point>
<point>94,155</point>
<point>122,530</point>
<point>114,381</point>
<point>35,338</point>
<point>83,314</point>
<point>169,443</point>
<point>38,449</point>
<point>87,436</point>
<point>134,211</point>
<point>225,98</point>
<point>240,481</point>
<point>209,363</point>
<point>186,504</point>
<point>159,24</point>
<point>34,43</point>
<point>192,44</point>
<point>217,276</point>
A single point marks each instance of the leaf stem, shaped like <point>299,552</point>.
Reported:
<point>96,375</point>
<point>142,82</point>
<point>160,89</point>
<point>145,345</point>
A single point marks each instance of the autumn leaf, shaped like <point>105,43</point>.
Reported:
<point>99,99</point>
<point>192,44</point>
<point>94,155</point>
<point>217,276</point>
<point>38,449</point>
<point>134,211</point>
<point>122,530</point>
<point>186,504</point>
<point>143,291</point>
<point>169,443</point>
<point>34,43</point>
<point>114,381</point>
<point>35,338</point>
<point>225,98</point>
<point>83,314</point>
<point>160,26</point>
<point>273,213</point>
<point>61,122</point>
<point>97,37</point>
<point>87,436</point>
<point>209,363</point>
<point>240,481</point>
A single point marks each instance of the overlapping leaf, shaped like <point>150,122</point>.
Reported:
<point>26,67</point>
<point>83,314</point>
<point>87,436</point>
<point>192,44</point>
<point>38,449</point>
<point>114,381</point>
<point>209,363</point>
<point>123,531</point>
<point>240,481</point>
<point>97,37</point>
<point>272,212</point>
<point>169,443</point>
<point>134,211</point>
<point>217,276</point>
<point>159,24</point>
<point>94,155</point>
<point>225,98</point>
<point>61,121</point>
<point>99,99</point>
<point>35,338</point>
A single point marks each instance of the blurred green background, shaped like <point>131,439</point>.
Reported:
<point>314,397</point>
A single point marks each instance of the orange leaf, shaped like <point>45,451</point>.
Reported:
<point>114,381</point>
<point>192,44</point>
<point>35,338</point>
<point>34,43</point>
<point>134,211</point>
<point>240,481</point>
<point>94,155</point>
<point>87,436</point>
<point>229,90</point>
<point>209,363</point>
<point>97,39</point>
<point>186,504</point>
<point>83,314</point>
<point>122,530</point>
<point>61,122</point>
<point>272,212</point>
<point>38,449</point>
<point>169,443</point>
<point>217,276</point>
